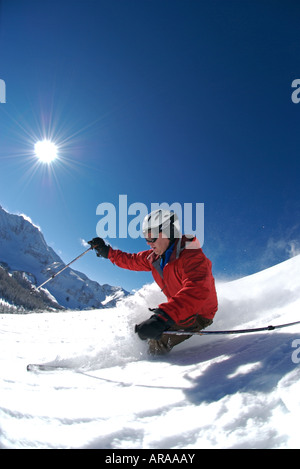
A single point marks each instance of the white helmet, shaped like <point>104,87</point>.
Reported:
<point>162,221</point>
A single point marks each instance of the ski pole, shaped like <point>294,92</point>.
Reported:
<point>57,273</point>
<point>237,331</point>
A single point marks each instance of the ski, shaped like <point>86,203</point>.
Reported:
<point>45,367</point>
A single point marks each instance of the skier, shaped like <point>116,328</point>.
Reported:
<point>183,273</point>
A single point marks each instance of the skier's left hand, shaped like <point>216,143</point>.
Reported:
<point>154,327</point>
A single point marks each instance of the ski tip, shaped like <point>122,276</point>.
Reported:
<point>30,367</point>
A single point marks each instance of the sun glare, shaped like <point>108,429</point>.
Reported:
<point>46,151</point>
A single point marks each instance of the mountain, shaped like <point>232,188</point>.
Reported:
<point>237,391</point>
<point>26,260</point>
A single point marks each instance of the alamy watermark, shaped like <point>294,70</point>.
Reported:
<point>126,221</point>
<point>296,93</point>
<point>296,353</point>
<point>2,91</point>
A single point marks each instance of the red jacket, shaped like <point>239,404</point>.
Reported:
<point>186,280</point>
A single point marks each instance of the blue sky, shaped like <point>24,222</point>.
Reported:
<point>164,101</point>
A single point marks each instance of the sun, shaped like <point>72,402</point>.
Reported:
<point>46,151</point>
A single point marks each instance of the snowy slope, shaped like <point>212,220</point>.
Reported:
<point>23,248</point>
<point>237,391</point>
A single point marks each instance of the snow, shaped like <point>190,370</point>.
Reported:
<point>235,391</point>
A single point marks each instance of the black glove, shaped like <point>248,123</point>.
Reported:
<point>100,247</point>
<point>154,327</point>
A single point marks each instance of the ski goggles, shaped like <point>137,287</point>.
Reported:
<point>150,240</point>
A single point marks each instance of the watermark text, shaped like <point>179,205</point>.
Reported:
<point>296,93</point>
<point>126,221</point>
<point>2,91</point>
<point>296,353</point>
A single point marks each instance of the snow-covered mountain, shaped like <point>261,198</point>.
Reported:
<point>25,257</point>
<point>231,391</point>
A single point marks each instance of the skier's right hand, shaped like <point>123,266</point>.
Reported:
<point>100,247</point>
<point>154,327</point>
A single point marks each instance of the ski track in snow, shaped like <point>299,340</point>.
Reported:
<point>239,391</point>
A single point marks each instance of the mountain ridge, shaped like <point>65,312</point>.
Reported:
<point>23,249</point>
